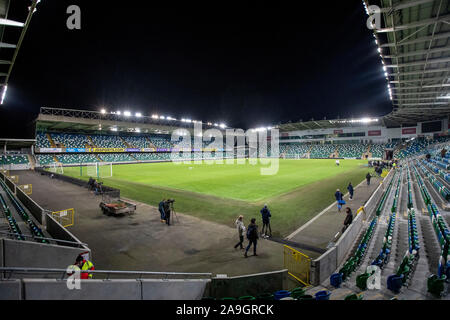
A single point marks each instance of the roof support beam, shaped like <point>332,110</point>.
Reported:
<point>424,104</point>
<point>412,73</point>
<point>419,52</point>
<point>437,36</point>
<point>424,87</point>
<point>414,24</point>
<point>404,5</point>
<point>418,63</point>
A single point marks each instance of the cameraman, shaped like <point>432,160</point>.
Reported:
<point>167,210</point>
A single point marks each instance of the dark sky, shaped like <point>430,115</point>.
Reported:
<point>219,61</point>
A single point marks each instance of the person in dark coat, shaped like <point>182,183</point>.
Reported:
<point>348,219</point>
<point>350,190</point>
<point>161,210</point>
<point>368,177</point>
<point>339,198</point>
<point>265,214</point>
<point>252,236</point>
<point>167,212</point>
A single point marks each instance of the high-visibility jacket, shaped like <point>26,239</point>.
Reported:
<point>87,265</point>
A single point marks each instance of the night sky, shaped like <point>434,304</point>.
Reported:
<point>218,61</point>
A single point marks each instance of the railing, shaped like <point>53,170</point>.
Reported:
<point>298,265</point>
<point>25,237</point>
<point>62,273</point>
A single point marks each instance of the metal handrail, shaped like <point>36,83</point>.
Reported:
<point>50,239</point>
<point>107,272</point>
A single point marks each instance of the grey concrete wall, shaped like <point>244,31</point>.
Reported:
<point>323,267</point>
<point>347,240</point>
<point>46,289</point>
<point>32,206</point>
<point>36,255</point>
<point>253,285</point>
<point>174,289</point>
<point>10,185</point>
<point>10,290</point>
<point>148,289</point>
<point>57,231</point>
<point>2,259</point>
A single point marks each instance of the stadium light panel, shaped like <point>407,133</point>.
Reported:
<point>5,88</point>
<point>103,111</point>
<point>138,114</point>
<point>155,116</point>
<point>223,126</point>
<point>119,113</point>
<point>127,113</point>
<point>162,117</point>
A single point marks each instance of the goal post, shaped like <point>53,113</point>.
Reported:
<point>57,167</point>
<point>99,170</point>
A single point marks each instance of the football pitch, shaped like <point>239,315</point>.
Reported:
<point>221,192</point>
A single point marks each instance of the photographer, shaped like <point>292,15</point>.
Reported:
<point>167,209</point>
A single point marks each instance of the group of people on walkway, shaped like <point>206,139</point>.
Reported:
<point>340,201</point>
<point>252,231</point>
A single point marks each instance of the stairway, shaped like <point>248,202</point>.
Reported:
<point>91,142</point>
<point>335,154</point>
<point>32,161</point>
<point>126,143</point>
<point>152,145</point>
<point>49,137</point>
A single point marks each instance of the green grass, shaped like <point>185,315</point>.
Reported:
<point>219,192</point>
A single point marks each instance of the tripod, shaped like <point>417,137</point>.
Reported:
<point>172,209</point>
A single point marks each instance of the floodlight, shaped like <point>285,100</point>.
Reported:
<point>5,88</point>
<point>119,113</point>
<point>127,113</point>
<point>162,117</point>
<point>103,111</point>
<point>155,116</point>
<point>138,114</point>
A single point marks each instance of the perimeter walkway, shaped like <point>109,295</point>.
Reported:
<point>141,242</point>
<point>326,226</point>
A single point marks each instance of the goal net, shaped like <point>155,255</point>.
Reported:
<point>57,167</point>
<point>99,170</point>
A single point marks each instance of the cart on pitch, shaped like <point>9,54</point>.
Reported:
<point>113,205</point>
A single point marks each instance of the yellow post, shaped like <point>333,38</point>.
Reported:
<point>298,265</point>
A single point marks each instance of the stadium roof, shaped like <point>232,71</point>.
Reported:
<point>57,119</point>
<point>414,44</point>
<point>9,51</point>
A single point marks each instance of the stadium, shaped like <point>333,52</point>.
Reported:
<point>91,183</point>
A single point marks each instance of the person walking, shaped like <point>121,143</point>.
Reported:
<point>368,177</point>
<point>265,214</point>
<point>348,219</point>
<point>339,198</point>
<point>161,210</point>
<point>350,190</point>
<point>239,223</point>
<point>252,236</point>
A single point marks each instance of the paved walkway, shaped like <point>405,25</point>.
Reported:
<point>141,242</point>
<point>322,230</point>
